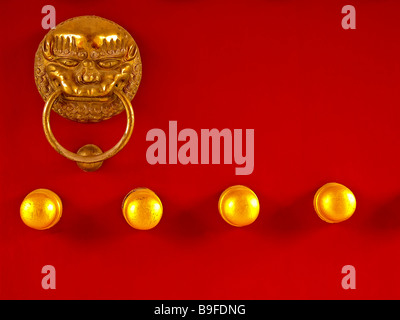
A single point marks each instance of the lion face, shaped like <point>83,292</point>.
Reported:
<point>87,58</point>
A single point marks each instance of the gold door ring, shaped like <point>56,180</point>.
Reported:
<point>88,69</point>
<point>91,161</point>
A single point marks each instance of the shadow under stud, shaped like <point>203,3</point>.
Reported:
<point>88,69</point>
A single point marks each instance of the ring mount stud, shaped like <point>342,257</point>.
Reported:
<point>89,150</point>
<point>88,69</point>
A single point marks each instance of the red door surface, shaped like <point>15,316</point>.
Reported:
<point>323,102</point>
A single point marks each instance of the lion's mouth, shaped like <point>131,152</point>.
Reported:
<point>95,93</point>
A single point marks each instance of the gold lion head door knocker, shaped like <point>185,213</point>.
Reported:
<point>88,69</point>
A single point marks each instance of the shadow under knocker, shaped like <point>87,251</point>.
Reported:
<point>88,69</point>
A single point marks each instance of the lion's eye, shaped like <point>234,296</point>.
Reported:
<point>68,62</point>
<point>108,63</point>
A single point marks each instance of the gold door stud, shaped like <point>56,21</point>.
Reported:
<point>239,206</point>
<point>41,209</point>
<point>334,202</point>
<point>88,69</point>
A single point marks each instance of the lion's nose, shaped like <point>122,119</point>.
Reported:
<point>88,78</point>
<point>88,73</point>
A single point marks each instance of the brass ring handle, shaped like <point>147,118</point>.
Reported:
<point>80,159</point>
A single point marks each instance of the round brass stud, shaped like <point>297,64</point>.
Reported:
<point>334,202</point>
<point>239,206</point>
<point>41,209</point>
<point>142,209</point>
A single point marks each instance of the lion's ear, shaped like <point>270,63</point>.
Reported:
<point>132,52</point>
<point>47,48</point>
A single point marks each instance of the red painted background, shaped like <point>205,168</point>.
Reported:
<point>324,103</point>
